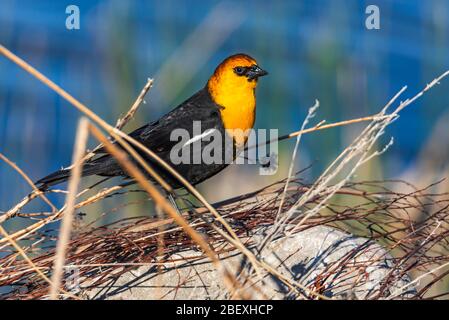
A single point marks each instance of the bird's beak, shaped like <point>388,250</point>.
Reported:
<point>255,73</point>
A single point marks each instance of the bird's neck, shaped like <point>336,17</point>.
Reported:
<point>239,108</point>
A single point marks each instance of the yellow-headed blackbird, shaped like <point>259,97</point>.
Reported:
<point>226,102</point>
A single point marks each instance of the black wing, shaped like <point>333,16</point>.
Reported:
<point>156,137</point>
<point>199,107</point>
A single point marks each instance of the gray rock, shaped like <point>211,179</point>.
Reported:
<point>324,259</point>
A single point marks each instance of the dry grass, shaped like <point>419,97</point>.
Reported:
<point>103,253</point>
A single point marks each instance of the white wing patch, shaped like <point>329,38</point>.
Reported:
<point>199,137</point>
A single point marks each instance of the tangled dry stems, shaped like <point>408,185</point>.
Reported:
<point>101,254</point>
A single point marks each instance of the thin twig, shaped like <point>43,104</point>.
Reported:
<point>67,217</point>
<point>29,181</point>
<point>122,122</point>
<point>130,114</point>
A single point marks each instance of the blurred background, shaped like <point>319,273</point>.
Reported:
<point>312,49</point>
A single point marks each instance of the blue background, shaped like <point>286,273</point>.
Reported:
<point>312,49</point>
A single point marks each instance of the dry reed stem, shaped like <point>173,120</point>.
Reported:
<point>122,122</point>
<point>98,196</point>
<point>131,112</point>
<point>319,127</point>
<point>161,201</point>
<point>28,180</point>
<point>310,115</point>
<point>160,251</point>
<point>67,215</point>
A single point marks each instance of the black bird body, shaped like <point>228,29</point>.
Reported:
<point>156,136</point>
<point>226,103</point>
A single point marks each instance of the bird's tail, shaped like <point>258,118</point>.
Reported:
<point>63,175</point>
<point>53,178</point>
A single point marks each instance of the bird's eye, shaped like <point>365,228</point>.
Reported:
<point>239,70</point>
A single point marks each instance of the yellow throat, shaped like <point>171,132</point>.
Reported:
<point>237,97</point>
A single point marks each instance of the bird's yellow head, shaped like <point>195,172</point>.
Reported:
<point>237,72</point>
<point>232,86</point>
